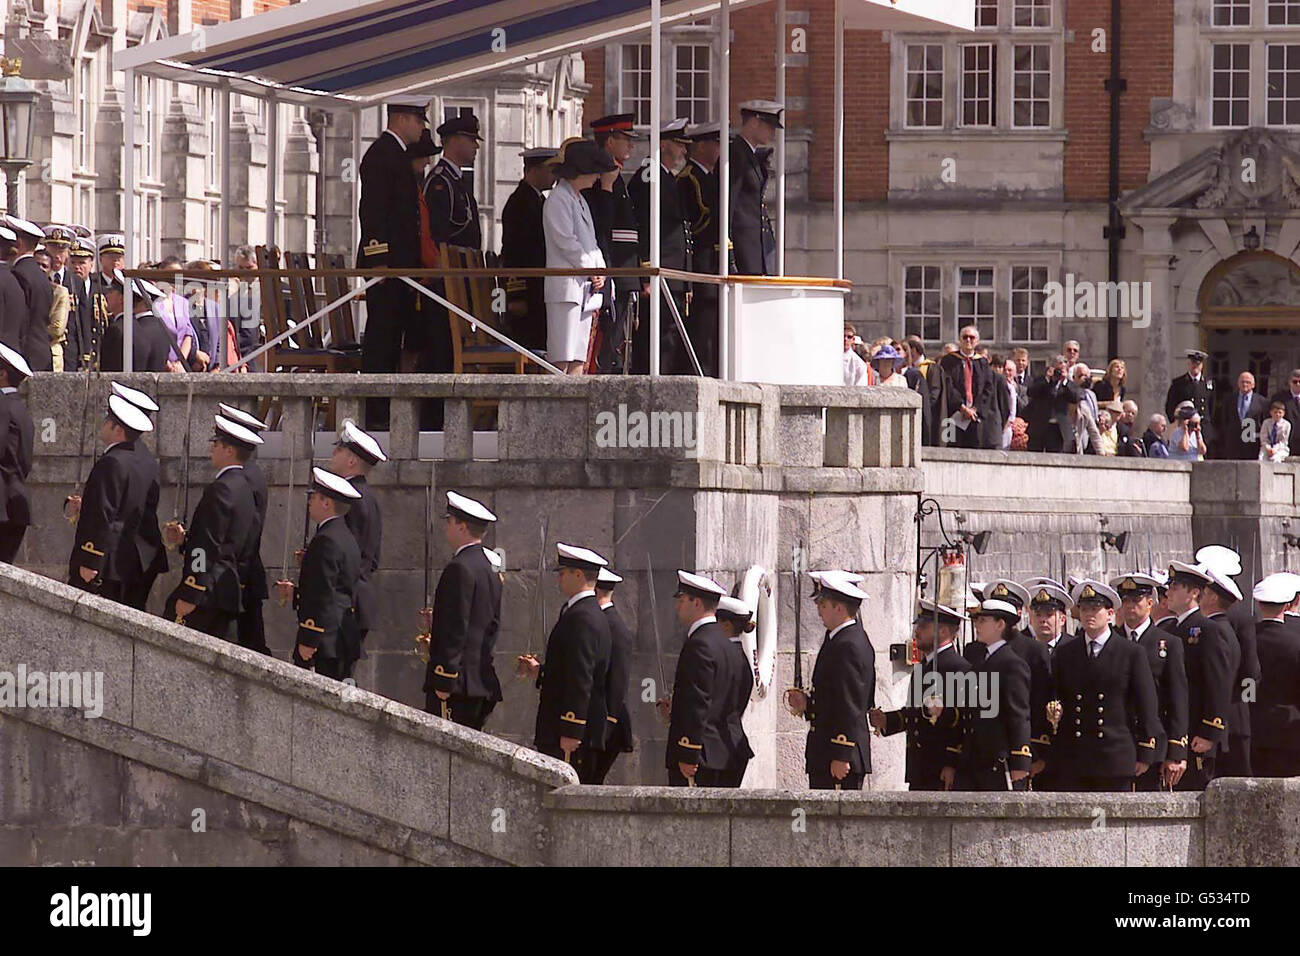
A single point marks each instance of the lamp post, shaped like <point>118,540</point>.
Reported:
<point>17,103</point>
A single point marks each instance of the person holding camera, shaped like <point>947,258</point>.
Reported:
<point>1186,441</point>
<point>1050,398</point>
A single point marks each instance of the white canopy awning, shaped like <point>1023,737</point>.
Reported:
<point>356,52</point>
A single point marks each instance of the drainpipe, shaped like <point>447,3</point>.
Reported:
<point>1115,85</point>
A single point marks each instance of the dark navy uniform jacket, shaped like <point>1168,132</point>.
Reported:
<point>466,621</point>
<point>843,690</point>
<point>572,678</point>
<point>325,590</point>
<point>711,689</point>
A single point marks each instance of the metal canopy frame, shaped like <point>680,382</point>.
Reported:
<point>256,56</point>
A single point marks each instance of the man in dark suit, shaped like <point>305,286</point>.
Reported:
<point>221,544</point>
<point>105,555</point>
<point>148,538</point>
<point>618,733</point>
<point>571,708</point>
<point>1129,444</point>
<point>672,252</point>
<point>1275,717</point>
<point>995,754</point>
<point>13,306</point>
<point>707,745</point>
<point>38,294</point>
<point>751,229</point>
<point>16,437</point>
<point>1050,398</point>
<point>523,245</point>
<point>460,683</point>
<point>1240,421</point>
<point>1107,706</point>
<point>1290,399</point>
<point>698,191</point>
<point>1165,660</point>
<point>968,415</point>
<point>81,312</point>
<point>614,218</point>
<point>1210,672</point>
<point>390,238</point>
<point>325,591</point>
<point>933,721</point>
<point>151,342</point>
<point>250,629</point>
<point>355,453</point>
<point>837,755</point>
<point>1221,603</point>
<point>1196,387</point>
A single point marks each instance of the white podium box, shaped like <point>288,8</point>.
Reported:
<point>784,331</point>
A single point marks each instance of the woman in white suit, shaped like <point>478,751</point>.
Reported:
<point>571,244</point>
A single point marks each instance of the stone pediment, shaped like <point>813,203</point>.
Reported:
<point>1255,168</point>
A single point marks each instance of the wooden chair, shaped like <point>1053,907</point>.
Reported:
<point>473,350</point>
<point>342,318</point>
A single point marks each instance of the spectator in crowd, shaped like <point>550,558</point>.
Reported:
<point>1009,395</point>
<point>1129,445</point>
<point>922,376</point>
<point>1186,439</point>
<point>1111,386</point>
<point>1290,399</point>
<point>948,348</point>
<point>887,362</point>
<point>58,328</point>
<point>1082,436</point>
<point>1071,352</point>
<point>1193,387</point>
<point>246,303</point>
<point>1153,439</point>
<point>174,311</point>
<point>1050,398</point>
<point>1108,429</point>
<point>206,301</point>
<point>1081,375</point>
<point>1021,357</point>
<point>1240,421</point>
<point>855,370</point>
<point>1275,436</point>
<point>968,396</point>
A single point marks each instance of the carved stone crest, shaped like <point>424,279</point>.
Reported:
<point>1256,168</point>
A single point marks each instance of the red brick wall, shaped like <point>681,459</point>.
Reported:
<point>201,11</point>
<point>1146,62</point>
<point>593,106</point>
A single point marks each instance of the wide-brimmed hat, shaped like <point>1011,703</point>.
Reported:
<point>582,158</point>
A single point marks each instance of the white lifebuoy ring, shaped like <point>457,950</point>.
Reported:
<point>758,591</point>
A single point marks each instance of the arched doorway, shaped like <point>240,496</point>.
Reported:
<point>1250,320</point>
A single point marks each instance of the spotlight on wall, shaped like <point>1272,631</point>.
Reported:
<point>978,540</point>
<point>1117,541</point>
<point>1292,541</point>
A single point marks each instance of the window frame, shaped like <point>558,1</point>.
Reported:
<point>939,269</point>
<point>958,289</point>
<point>1012,339</point>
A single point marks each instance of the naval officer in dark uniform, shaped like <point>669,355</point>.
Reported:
<point>932,720</point>
<point>523,245</point>
<point>838,751</point>
<point>390,238</point>
<point>697,190</point>
<point>996,754</point>
<point>673,240</point>
<point>1275,717</point>
<point>1210,670</point>
<point>707,745</point>
<point>151,343</point>
<point>79,347</point>
<point>324,595</point>
<point>615,220</point>
<point>221,544</point>
<point>1196,387</point>
<point>571,708</point>
<point>1107,708</point>
<point>460,682</point>
<point>355,453</point>
<point>751,229</point>
<point>105,555</point>
<point>149,542</point>
<point>250,628</point>
<point>1137,592</point>
<point>16,436</point>
<point>38,295</point>
<point>618,735</point>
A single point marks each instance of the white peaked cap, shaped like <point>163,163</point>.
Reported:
<point>236,432</point>
<point>574,557</point>
<point>242,417</point>
<point>699,584</point>
<point>136,397</point>
<point>22,225</point>
<point>494,559</point>
<point>841,583</point>
<point>130,416</point>
<point>1218,558</point>
<point>736,607</point>
<point>328,483</point>
<point>606,576</point>
<point>468,507</point>
<point>15,361</point>
<point>1279,588</point>
<point>1224,583</point>
<point>361,443</point>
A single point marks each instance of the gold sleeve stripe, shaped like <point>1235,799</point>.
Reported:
<point>686,742</point>
<point>1216,723</point>
<point>439,672</point>
<point>190,582</point>
<point>310,625</point>
<point>89,546</point>
<point>843,741</point>
<point>571,717</point>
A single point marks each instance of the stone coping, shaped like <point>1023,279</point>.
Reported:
<point>283,676</point>
<point>884,804</point>
<point>981,456</point>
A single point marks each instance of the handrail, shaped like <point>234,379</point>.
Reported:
<point>171,276</point>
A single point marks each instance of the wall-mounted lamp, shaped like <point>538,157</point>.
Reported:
<point>1108,540</point>
<point>1251,240</point>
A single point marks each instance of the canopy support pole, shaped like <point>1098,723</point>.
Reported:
<point>128,220</point>
<point>354,221</point>
<point>655,160</point>
<point>839,139</point>
<point>780,138</point>
<point>272,166</point>
<point>724,188</point>
<point>223,248</point>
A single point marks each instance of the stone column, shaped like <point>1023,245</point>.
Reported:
<point>1157,247</point>
<point>247,198</point>
<point>301,166</point>
<point>184,168</point>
